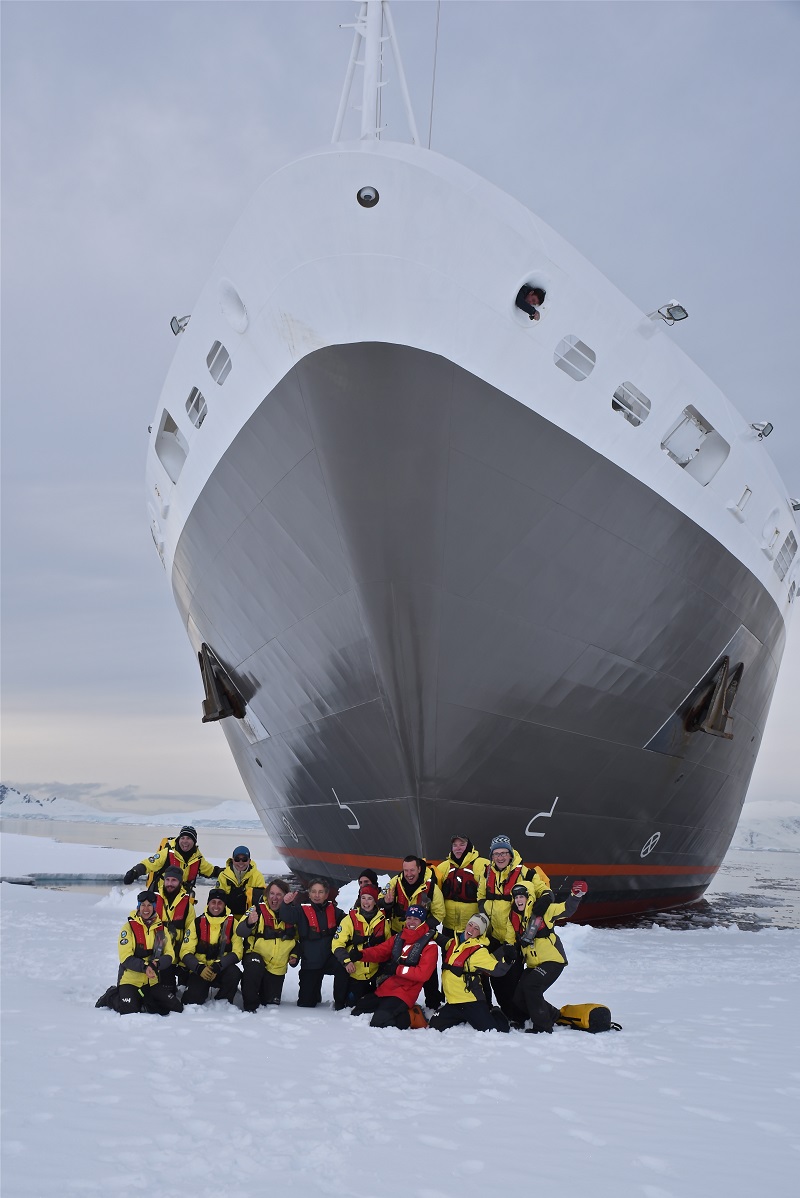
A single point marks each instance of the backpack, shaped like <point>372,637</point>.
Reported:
<point>416,1017</point>
<point>588,1017</point>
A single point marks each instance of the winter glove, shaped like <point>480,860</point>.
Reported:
<point>294,961</point>
<point>207,973</point>
<point>579,889</point>
<point>542,903</point>
<point>507,953</point>
<point>135,872</point>
<point>216,871</point>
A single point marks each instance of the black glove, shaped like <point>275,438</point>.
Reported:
<point>216,871</point>
<point>542,903</point>
<point>507,953</point>
<point>135,872</point>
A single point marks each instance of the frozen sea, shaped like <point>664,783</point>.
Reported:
<point>698,1095</point>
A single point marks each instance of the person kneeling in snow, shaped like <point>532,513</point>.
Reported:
<point>211,953</point>
<point>364,926</point>
<point>409,959</point>
<point>145,964</point>
<point>466,958</point>
<point>270,947</point>
<point>532,921</point>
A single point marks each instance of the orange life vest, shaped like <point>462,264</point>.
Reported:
<point>457,955</point>
<point>143,952</point>
<point>503,895</point>
<point>361,937</point>
<point>313,922</point>
<point>270,930</point>
<point>178,917</point>
<point>460,885</point>
<point>213,951</point>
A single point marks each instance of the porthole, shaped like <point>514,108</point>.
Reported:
<point>631,403</point>
<point>367,196</point>
<point>218,362</point>
<point>574,357</point>
<point>196,407</point>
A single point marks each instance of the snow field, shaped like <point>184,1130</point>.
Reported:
<point>697,1096</point>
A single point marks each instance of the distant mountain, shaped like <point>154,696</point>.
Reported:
<point>230,814</point>
<point>769,827</point>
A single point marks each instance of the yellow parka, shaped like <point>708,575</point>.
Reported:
<point>539,944</point>
<point>250,884</point>
<point>211,940</point>
<point>274,941</point>
<point>169,854</point>
<point>494,893</point>
<point>459,882</point>
<point>142,944</point>
<point>176,914</point>
<point>356,931</point>
<point>424,893</point>
<point>462,963</point>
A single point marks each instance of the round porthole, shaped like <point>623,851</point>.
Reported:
<point>367,197</point>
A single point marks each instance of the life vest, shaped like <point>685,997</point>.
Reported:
<point>213,952</point>
<point>190,871</point>
<point>457,956</point>
<point>401,899</point>
<point>143,950</point>
<point>311,915</point>
<point>178,917</point>
<point>404,953</point>
<point>361,937</point>
<point>460,885</point>
<point>269,930</point>
<point>504,895</point>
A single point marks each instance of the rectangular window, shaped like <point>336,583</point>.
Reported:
<point>218,362</point>
<point>696,446</point>
<point>785,556</point>
<point>631,403</point>
<point>574,357</point>
<point>171,446</point>
<point>196,407</point>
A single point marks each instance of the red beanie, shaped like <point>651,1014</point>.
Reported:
<point>373,890</point>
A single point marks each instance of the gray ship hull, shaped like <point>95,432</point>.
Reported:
<point>450,615</point>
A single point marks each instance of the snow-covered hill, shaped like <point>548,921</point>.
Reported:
<point>230,814</point>
<point>772,827</point>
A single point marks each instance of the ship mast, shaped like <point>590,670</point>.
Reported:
<point>368,39</point>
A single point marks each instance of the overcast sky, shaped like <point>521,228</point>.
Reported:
<point>660,138</point>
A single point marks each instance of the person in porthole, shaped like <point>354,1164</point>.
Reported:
<point>530,299</point>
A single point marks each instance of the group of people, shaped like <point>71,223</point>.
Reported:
<point>492,919</point>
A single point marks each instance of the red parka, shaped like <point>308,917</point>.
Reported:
<point>408,980</point>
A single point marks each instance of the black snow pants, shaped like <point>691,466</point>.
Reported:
<point>529,1001</point>
<point>479,1015</point>
<point>389,1011</point>
<point>156,1000</point>
<point>260,988</point>
<point>226,983</point>
<point>309,990</point>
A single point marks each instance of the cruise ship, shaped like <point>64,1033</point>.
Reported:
<point>451,569</point>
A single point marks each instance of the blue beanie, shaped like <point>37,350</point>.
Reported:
<point>417,911</point>
<point>241,850</point>
<point>500,842</point>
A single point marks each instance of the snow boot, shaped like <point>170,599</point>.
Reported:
<point>109,999</point>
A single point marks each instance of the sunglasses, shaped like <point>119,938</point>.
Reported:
<point>241,858</point>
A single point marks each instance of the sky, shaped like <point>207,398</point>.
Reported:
<point>659,138</point>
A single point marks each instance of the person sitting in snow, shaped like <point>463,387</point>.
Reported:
<point>211,952</point>
<point>270,946</point>
<point>145,961</point>
<point>242,881</point>
<point>466,961</point>
<point>316,920</point>
<point>409,959</point>
<point>532,920</point>
<point>364,926</point>
<point>181,851</point>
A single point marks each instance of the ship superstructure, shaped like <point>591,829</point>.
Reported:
<point>448,569</point>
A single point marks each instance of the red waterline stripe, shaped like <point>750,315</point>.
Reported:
<point>550,868</point>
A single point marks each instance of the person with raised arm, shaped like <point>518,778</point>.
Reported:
<point>270,947</point>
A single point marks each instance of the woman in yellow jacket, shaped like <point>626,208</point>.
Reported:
<point>532,921</point>
<point>211,953</point>
<point>363,927</point>
<point>270,947</point>
<point>145,961</point>
<point>459,877</point>
<point>465,962</point>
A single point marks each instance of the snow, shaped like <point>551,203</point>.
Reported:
<point>233,813</point>
<point>771,826</point>
<point>697,1096</point>
<point>24,855</point>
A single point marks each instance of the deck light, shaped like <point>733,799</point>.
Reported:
<point>670,313</point>
<point>763,428</point>
<point>178,324</point>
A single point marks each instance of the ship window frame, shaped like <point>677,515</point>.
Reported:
<point>570,355</point>
<point>701,461</point>
<point>219,363</point>
<point>172,448</point>
<point>196,407</point>
<point>785,556</point>
<point>631,403</point>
